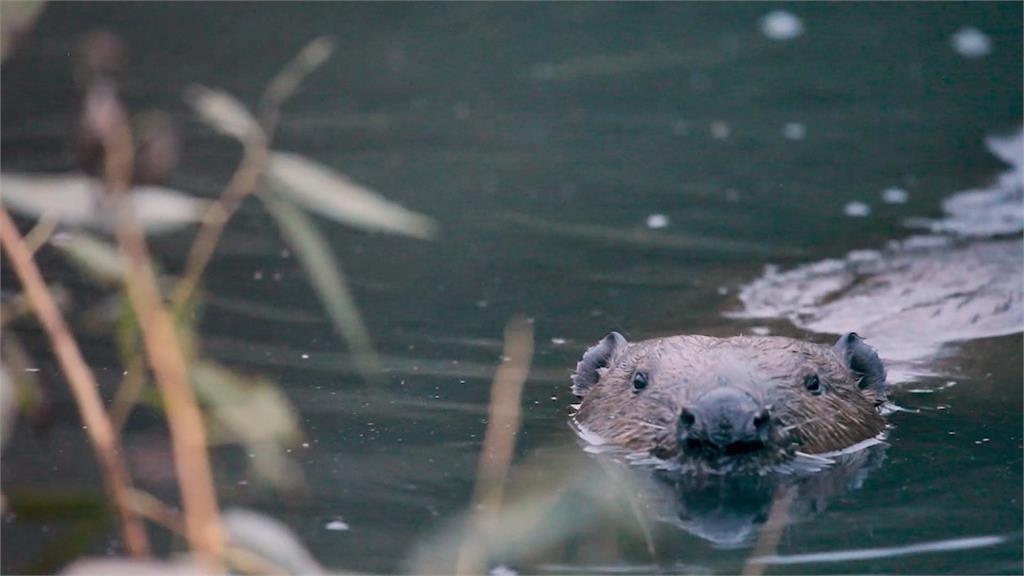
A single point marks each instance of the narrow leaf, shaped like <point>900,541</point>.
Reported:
<point>330,194</point>
<point>78,200</point>
<point>287,81</point>
<point>100,260</point>
<point>326,276</point>
<point>253,412</point>
<point>221,111</point>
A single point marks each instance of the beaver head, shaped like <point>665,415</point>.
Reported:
<point>726,400</point>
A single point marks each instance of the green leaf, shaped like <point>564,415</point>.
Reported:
<point>253,412</point>
<point>318,188</point>
<point>301,234</point>
<point>100,260</point>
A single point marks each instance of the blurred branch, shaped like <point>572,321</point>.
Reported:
<point>165,353</point>
<point>242,184</point>
<point>499,440</point>
<point>83,385</point>
<point>771,532</point>
<point>221,109</point>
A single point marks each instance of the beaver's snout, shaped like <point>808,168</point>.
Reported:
<point>724,421</point>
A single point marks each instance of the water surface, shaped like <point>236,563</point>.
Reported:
<point>543,139</point>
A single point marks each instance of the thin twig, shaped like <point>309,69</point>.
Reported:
<point>41,232</point>
<point>243,183</point>
<point>83,385</point>
<point>499,440</point>
<point>246,178</point>
<point>166,357</point>
<point>771,532</point>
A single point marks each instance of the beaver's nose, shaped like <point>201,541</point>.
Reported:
<point>723,418</point>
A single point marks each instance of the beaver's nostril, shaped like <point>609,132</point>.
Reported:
<point>686,418</point>
<point>762,419</point>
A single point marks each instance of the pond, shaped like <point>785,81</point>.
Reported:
<point>592,167</point>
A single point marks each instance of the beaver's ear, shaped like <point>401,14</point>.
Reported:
<point>596,357</point>
<point>863,362</point>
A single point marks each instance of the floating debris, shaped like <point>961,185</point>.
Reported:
<point>781,25</point>
<point>719,130</point>
<point>656,221</point>
<point>794,131</point>
<point>970,42</point>
<point>856,209</point>
<point>895,195</point>
<point>337,525</point>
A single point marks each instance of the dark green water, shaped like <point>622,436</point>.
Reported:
<point>541,137</point>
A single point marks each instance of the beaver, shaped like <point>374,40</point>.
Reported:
<point>739,403</point>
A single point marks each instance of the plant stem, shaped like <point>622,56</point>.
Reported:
<point>167,359</point>
<point>499,444</point>
<point>242,184</point>
<point>83,385</point>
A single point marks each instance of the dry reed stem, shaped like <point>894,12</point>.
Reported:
<point>41,232</point>
<point>771,532</point>
<point>83,385</point>
<point>499,441</point>
<point>166,357</point>
<point>243,183</point>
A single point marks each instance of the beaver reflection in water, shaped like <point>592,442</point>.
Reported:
<point>730,403</point>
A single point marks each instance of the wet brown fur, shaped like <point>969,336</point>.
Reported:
<point>771,370</point>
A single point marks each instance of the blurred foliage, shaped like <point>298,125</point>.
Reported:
<point>238,408</point>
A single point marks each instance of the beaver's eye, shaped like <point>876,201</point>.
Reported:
<point>639,380</point>
<point>813,384</point>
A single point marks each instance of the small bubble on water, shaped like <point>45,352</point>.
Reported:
<point>655,221</point>
<point>856,209</point>
<point>970,42</point>
<point>305,444</point>
<point>558,341</point>
<point>781,25</point>
<point>257,275</point>
<point>794,131</point>
<point>305,356</point>
<point>723,290</point>
<point>482,304</point>
<point>337,525</point>
<point>895,195</point>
